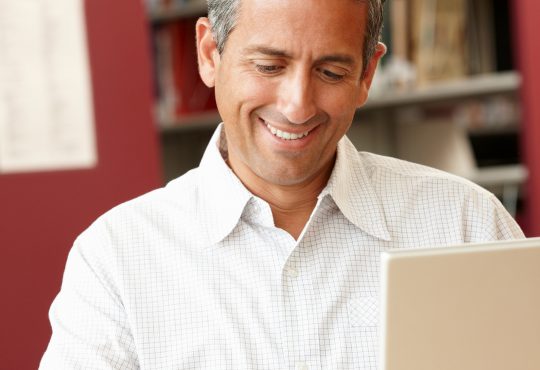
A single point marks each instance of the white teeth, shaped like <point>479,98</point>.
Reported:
<point>285,135</point>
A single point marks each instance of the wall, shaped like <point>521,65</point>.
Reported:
<point>527,54</point>
<point>42,213</point>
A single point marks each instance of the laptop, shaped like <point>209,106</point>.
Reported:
<point>472,307</point>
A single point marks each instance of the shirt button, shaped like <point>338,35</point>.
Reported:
<point>301,366</point>
<point>293,272</point>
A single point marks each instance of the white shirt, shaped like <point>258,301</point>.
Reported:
<point>196,275</point>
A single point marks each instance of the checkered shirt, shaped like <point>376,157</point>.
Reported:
<point>196,275</point>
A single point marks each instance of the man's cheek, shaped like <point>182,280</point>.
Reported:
<point>259,90</point>
<point>338,101</point>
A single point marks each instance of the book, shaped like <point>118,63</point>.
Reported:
<point>400,28</point>
<point>181,91</point>
<point>164,74</point>
<point>481,37</point>
<point>440,48</point>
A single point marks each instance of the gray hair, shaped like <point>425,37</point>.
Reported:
<point>223,15</point>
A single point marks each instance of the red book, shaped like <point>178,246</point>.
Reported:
<point>193,95</point>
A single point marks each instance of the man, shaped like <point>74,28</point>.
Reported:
<point>267,256</point>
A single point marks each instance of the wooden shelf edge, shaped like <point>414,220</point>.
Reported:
<point>515,174</point>
<point>495,83</point>
<point>193,122</point>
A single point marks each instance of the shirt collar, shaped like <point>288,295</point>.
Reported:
<point>223,197</point>
<point>352,191</point>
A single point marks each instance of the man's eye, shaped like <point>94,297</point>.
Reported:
<point>332,76</point>
<point>268,69</point>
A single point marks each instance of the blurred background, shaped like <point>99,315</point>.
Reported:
<point>101,101</point>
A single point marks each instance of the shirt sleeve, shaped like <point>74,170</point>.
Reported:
<point>88,319</point>
<point>500,225</point>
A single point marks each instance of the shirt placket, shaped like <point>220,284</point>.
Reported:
<point>299,311</point>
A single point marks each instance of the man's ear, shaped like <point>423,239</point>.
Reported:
<point>207,53</point>
<point>365,84</point>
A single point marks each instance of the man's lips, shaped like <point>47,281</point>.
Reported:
<point>285,135</point>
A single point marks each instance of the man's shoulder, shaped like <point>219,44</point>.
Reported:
<point>429,200</point>
<point>393,171</point>
<point>179,193</point>
<point>161,210</point>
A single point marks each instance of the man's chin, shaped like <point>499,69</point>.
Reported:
<point>285,175</point>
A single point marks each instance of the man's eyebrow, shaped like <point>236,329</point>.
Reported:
<point>338,58</point>
<point>273,52</point>
<point>267,50</point>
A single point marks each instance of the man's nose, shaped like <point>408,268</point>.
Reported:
<point>296,99</point>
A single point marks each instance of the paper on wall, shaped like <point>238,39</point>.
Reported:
<point>46,110</point>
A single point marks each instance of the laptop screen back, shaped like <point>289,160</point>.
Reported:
<point>469,307</point>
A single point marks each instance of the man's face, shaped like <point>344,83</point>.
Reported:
<point>296,66</point>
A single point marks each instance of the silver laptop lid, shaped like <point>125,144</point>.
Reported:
<point>467,307</point>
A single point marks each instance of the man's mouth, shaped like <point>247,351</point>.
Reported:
<point>284,135</point>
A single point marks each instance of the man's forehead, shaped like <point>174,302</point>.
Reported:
<point>279,27</point>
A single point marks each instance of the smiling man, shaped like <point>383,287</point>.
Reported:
<point>267,255</point>
<point>288,80</point>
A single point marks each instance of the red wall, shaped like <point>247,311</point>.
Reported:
<point>526,28</point>
<point>42,213</point>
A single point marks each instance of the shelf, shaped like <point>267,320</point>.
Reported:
<point>501,175</point>
<point>193,122</point>
<point>506,82</point>
<point>496,83</point>
<point>190,10</point>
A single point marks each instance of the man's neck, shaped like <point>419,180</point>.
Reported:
<point>291,205</point>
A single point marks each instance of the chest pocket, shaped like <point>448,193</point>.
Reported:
<point>363,315</point>
<point>363,311</point>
